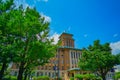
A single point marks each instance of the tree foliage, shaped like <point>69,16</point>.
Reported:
<point>87,77</point>
<point>117,75</point>
<point>6,40</point>
<point>33,46</point>
<point>98,58</point>
<point>24,38</point>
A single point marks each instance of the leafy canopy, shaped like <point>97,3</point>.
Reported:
<point>98,58</point>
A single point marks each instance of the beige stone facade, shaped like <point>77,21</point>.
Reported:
<point>66,58</point>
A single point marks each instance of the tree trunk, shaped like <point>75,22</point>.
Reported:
<point>21,70</point>
<point>103,77</point>
<point>4,66</point>
<point>25,77</point>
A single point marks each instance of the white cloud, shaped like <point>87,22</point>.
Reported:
<point>42,0</point>
<point>23,2</point>
<point>55,36</point>
<point>115,35</point>
<point>47,18</point>
<point>85,35</point>
<point>45,0</point>
<point>115,47</point>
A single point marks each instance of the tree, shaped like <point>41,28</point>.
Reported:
<point>6,41</point>
<point>98,59</point>
<point>33,46</point>
<point>117,75</point>
<point>87,77</point>
<point>118,58</point>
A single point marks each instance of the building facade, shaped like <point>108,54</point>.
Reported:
<point>66,58</point>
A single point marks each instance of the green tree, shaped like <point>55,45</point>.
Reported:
<point>87,77</point>
<point>33,46</point>
<point>118,58</point>
<point>6,40</point>
<point>117,75</point>
<point>98,58</point>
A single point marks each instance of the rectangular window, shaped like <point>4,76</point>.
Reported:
<point>71,54</point>
<point>62,67</point>
<point>62,61</point>
<point>74,55</point>
<point>49,74</point>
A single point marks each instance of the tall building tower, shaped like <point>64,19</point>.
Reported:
<point>66,58</point>
<point>66,40</point>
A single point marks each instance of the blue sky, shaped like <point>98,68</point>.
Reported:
<point>87,20</point>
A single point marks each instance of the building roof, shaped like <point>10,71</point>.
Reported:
<point>66,34</point>
<point>74,69</point>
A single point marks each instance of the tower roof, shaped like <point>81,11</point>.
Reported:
<point>64,33</point>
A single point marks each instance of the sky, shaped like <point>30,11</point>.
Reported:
<point>87,20</point>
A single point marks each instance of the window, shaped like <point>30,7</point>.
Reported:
<point>37,73</point>
<point>42,67</point>
<point>49,67</point>
<point>49,74</point>
<point>68,67</point>
<point>67,43</point>
<point>45,67</point>
<point>62,55</point>
<point>15,73</point>
<point>62,67</point>
<point>62,74</point>
<point>41,73</point>
<point>71,54</point>
<point>72,61</point>
<point>74,54</point>
<point>45,73</point>
<point>62,61</point>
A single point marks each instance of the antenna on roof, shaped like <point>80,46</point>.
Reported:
<point>67,30</point>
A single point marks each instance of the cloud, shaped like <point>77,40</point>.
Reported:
<point>42,0</point>
<point>45,0</point>
<point>115,47</point>
<point>85,35</point>
<point>47,18</point>
<point>115,35</point>
<point>23,2</point>
<point>55,36</point>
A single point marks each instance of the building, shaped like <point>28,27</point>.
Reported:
<point>117,68</point>
<point>67,58</point>
<point>65,63</point>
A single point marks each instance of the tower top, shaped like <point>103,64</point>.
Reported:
<point>67,40</point>
<point>65,34</point>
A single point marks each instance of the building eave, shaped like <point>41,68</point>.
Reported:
<point>65,47</point>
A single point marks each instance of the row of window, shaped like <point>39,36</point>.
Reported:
<point>50,74</point>
<point>75,61</point>
<point>110,75</point>
<point>75,55</point>
<point>68,43</point>
<point>51,68</point>
<point>46,68</point>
